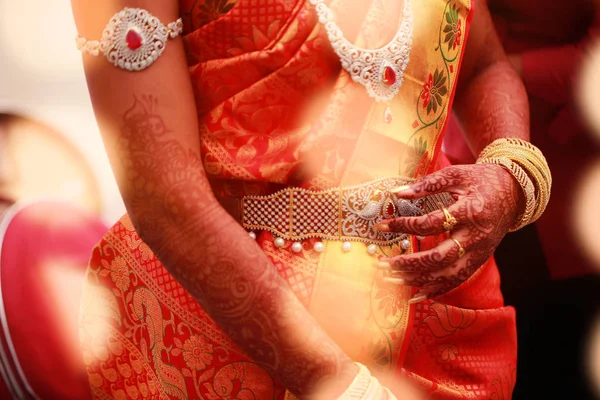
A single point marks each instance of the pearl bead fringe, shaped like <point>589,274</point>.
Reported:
<point>318,247</point>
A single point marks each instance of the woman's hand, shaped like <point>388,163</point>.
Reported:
<point>488,202</point>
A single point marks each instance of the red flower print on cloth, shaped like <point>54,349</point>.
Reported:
<point>426,95</point>
<point>448,352</point>
<point>197,353</point>
<point>453,28</point>
<point>434,91</point>
<point>119,272</point>
<point>390,299</point>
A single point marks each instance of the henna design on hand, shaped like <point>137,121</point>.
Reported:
<point>489,201</point>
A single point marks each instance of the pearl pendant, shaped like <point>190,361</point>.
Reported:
<point>372,249</point>
<point>252,235</point>
<point>346,247</point>
<point>279,242</point>
<point>405,244</point>
<point>297,247</point>
<point>319,247</point>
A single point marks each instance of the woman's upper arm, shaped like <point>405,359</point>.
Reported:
<point>483,46</point>
<point>148,118</point>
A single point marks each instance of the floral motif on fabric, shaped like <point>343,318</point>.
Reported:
<point>448,352</point>
<point>443,321</point>
<point>206,11</point>
<point>434,91</point>
<point>119,273</point>
<point>377,351</point>
<point>433,103</point>
<point>389,298</point>
<point>197,352</point>
<point>143,336</point>
<point>418,159</point>
<point>453,28</point>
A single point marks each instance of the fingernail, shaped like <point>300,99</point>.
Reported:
<point>394,281</point>
<point>383,265</point>
<point>400,189</point>
<point>417,299</point>
<point>382,227</point>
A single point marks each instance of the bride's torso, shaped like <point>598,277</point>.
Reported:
<point>275,105</point>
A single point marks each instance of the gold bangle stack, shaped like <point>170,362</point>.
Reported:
<point>528,166</point>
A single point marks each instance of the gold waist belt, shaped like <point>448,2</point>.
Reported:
<point>341,214</point>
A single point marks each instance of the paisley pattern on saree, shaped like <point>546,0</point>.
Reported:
<point>143,336</point>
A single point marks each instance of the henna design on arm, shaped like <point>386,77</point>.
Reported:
<point>173,209</point>
<point>491,101</point>
<point>493,106</point>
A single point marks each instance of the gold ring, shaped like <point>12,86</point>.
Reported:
<point>450,221</point>
<point>461,250</point>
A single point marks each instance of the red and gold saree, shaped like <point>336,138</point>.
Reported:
<point>276,110</point>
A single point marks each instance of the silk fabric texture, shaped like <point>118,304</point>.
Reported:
<point>277,110</point>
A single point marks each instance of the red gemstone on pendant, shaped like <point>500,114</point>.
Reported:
<point>133,39</point>
<point>389,76</point>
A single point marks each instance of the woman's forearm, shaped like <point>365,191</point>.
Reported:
<point>237,285</point>
<point>211,255</point>
<point>493,105</point>
<point>490,101</point>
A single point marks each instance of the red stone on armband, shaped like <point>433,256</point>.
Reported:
<point>133,39</point>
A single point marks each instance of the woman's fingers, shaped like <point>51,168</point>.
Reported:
<point>449,179</point>
<point>426,293</point>
<point>429,224</point>
<point>428,277</point>
<point>433,279</point>
<point>430,284</point>
<point>487,206</point>
<point>444,254</point>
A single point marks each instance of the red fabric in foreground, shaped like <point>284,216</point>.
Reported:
<point>43,261</point>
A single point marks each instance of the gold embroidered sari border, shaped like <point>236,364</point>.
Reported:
<point>191,318</point>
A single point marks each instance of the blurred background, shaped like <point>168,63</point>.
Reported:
<point>57,198</point>
<point>50,148</point>
<point>41,77</point>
